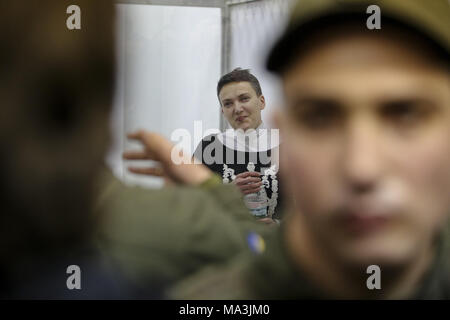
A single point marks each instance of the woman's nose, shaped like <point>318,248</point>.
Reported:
<point>238,108</point>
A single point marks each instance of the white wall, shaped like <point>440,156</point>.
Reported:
<point>168,68</point>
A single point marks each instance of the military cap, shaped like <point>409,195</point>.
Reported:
<point>430,19</point>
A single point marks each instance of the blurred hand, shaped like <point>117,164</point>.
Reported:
<point>158,148</point>
<point>248,182</point>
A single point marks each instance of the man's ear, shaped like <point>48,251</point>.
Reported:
<point>263,101</point>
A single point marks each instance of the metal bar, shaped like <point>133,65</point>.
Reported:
<point>124,81</point>
<point>225,53</point>
<point>187,3</point>
<point>237,2</point>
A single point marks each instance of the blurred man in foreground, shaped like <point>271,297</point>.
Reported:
<point>366,162</point>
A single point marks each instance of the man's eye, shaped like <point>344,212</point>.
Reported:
<point>404,113</point>
<point>318,119</point>
<point>245,99</point>
<point>320,116</point>
<point>228,104</point>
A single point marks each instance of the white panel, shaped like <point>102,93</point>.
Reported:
<point>169,64</point>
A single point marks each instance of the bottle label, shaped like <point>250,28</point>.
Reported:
<point>257,204</point>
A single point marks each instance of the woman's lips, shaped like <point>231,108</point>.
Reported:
<point>241,118</point>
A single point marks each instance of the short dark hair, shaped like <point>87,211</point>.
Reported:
<point>239,75</point>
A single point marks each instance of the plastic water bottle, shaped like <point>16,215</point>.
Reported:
<point>257,203</point>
